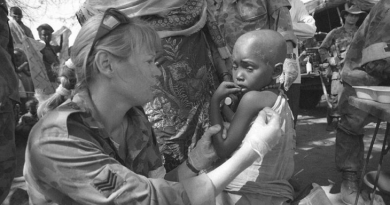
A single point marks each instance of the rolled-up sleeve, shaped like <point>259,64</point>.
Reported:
<point>71,170</point>
<point>284,24</point>
<point>281,19</point>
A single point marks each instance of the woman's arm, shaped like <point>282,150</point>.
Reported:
<point>180,173</point>
<point>73,169</point>
<point>95,177</point>
<point>200,158</point>
<point>249,106</point>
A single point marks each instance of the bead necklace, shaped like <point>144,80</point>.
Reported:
<point>273,86</point>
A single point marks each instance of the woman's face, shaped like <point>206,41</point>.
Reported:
<point>136,76</point>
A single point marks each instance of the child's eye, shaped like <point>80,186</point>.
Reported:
<point>249,68</point>
<point>235,66</point>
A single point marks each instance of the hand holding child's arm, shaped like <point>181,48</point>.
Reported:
<point>265,132</point>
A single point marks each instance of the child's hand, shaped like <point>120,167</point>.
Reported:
<point>225,89</point>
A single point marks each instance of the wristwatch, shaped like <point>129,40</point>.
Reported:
<point>291,56</point>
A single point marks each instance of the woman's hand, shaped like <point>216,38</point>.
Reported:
<point>265,132</point>
<point>224,90</point>
<point>203,155</point>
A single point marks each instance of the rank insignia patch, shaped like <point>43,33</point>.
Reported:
<point>107,182</point>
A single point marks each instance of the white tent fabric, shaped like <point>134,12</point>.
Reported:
<point>319,5</point>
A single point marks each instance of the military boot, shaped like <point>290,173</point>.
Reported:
<point>349,189</point>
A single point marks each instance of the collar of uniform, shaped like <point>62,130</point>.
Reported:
<point>83,100</point>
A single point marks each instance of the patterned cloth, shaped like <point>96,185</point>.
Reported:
<point>71,159</point>
<point>266,180</point>
<point>375,29</point>
<point>238,17</point>
<point>337,42</point>
<point>179,110</point>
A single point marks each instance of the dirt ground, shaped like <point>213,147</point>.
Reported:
<point>314,157</point>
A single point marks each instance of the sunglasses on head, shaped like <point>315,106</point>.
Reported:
<point>112,18</point>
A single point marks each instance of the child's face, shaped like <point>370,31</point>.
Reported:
<point>45,35</point>
<point>18,57</point>
<point>250,71</point>
<point>32,109</point>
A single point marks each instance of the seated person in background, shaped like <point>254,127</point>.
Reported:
<point>257,62</point>
<point>27,121</point>
<point>49,53</point>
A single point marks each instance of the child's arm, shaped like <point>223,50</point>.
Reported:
<point>249,107</point>
<point>224,89</point>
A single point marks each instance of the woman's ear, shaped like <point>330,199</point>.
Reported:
<point>278,70</point>
<point>103,63</point>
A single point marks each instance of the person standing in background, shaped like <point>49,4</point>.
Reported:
<point>49,52</point>
<point>304,27</point>
<point>367,62</point>
<point>17,14</point>
<point>339,38</point>
<point>26,87</point>
<point>9,95</point>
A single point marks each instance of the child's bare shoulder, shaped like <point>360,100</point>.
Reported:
<point>262,99</point>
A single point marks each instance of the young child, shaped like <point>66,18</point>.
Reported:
<point>27,121</point>
<point>257,62</point>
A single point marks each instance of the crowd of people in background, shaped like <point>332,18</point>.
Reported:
<point>26,115</point>
<point>194,55</point>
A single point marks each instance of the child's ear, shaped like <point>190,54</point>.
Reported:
<point>278,69</point>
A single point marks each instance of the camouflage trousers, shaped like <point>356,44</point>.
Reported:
<point>349,151</point>
<point>7,148</point>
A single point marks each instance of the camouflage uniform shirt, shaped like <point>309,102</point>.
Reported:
<point>375,29</point>
<point>236,17</point>
<point>337,41</point>
<point>71,159</point>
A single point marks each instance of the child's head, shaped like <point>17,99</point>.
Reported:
<point>31,106</point>
<point>45,32</point>
<point>20,57</point>
<point>258,57</point>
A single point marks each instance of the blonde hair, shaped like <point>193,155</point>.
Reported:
<point>122,42</point>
